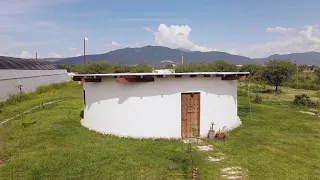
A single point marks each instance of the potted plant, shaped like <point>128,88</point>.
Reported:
<point>211,132</point>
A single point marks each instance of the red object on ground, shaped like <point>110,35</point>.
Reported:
<point>52,91</point>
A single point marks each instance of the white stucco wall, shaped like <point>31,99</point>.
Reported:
<point>153,109</point>
<point>30,79</point>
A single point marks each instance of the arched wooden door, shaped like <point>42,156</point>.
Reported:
<point>190,115</point>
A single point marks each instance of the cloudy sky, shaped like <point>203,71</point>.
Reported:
<point>56,28</point>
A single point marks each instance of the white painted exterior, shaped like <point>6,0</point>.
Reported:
<point>153,109</point>
<point>30,79</point>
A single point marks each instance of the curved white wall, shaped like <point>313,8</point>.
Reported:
<point>30,79</point>
<point>153,109</point>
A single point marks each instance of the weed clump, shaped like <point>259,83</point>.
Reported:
<point>257,99</point>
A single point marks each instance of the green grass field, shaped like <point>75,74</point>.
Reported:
<point>275,142</point>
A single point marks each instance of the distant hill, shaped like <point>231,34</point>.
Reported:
<point>51,59</point>
<point>153,55</point>
<point>311,58</point>
<point>184,50</point>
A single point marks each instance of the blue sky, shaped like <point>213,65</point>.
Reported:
<point>56,28</point>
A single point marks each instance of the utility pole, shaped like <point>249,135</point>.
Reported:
<point>84,54</point>
<point>36,55</point>
<point>297,71</point>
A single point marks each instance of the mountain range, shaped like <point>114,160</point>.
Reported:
<point>157,55</point>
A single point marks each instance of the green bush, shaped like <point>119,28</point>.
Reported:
<point>304,100</point>
<point>257,99</point>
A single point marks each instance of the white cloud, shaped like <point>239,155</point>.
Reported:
<point>78,54</point>
<point>304,39</point>
<point>54,55</point>
<point>233,51</point>
<point>279,30</point>
<point>72,49</point>
<point>148,29</point>
<point>113,44</point>
<point>175,36</point>
<point>25,54</point>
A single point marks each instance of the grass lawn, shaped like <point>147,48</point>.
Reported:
<point>275,142</point>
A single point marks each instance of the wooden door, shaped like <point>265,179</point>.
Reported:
<point>190,115</point>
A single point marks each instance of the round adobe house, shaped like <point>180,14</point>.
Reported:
<point>153,105</point>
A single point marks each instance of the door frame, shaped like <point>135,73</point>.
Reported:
<point>199,115</point>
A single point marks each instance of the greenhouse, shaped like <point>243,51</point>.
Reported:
<point>30,73</point>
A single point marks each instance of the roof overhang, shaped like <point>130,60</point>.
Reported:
<point>149,77</point>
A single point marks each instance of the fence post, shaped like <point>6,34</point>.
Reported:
<point>195,174</point>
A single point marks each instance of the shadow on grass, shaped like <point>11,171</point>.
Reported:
<point>28,124</point>
<point>268,91</point>
<point>185,163</point>
<point>81,114</point>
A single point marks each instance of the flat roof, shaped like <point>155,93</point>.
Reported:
<point>166,74</point>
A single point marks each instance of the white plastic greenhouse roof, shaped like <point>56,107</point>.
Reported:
<point>27,64</point>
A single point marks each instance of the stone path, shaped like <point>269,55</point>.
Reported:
<point>232,173</point>
<point>36,107</point>
<point>227,172</point>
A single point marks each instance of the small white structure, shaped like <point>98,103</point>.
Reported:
<point>163,71</point>
<point>155,105</point>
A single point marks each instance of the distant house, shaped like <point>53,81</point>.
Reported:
<point>167,105</point>
<point>163,71</point>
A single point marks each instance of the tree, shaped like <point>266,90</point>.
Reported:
<point>278,71</point>
<point>121,68</point>
<point>73,67</point>
<point>99,68</point>
<point>302,67</point>
<point>169,66</point>
<point>141,68</point>
<point>191,67</point>
<point>222,66</point>
<point>255,70</point>
<point>317,75</point>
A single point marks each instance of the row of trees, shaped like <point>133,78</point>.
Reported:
<point>104,68</point>
<point>274,72</point>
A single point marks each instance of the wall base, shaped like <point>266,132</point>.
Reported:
<point>238,124</point>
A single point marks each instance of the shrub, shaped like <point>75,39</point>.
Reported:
<point>221,134</point>
<point>257,99</point>
<point>16,98</point>
<point>304,100</point>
